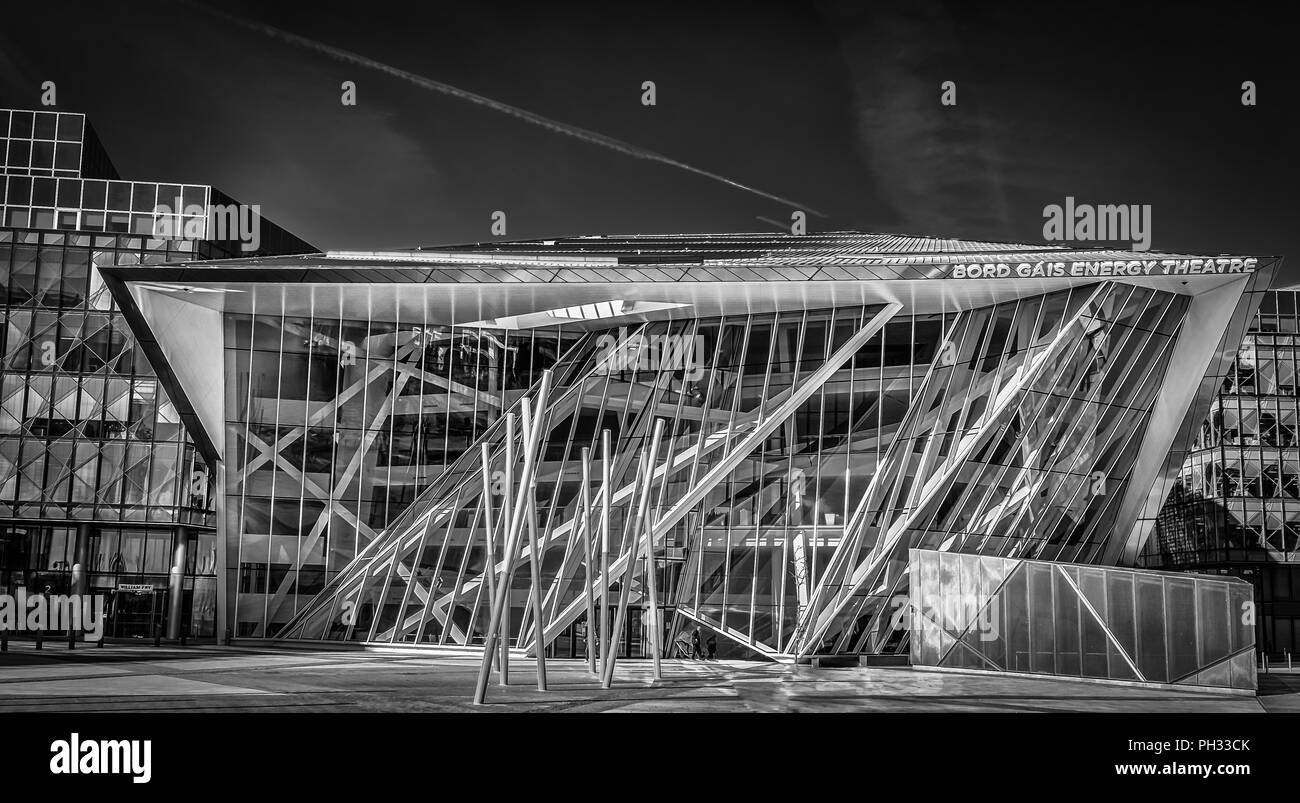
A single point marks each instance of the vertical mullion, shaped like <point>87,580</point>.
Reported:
<point>275,468</point>
<point>247,446</point>
<point>365,396</point>
<point>399,382</point>
<point>701,438</point>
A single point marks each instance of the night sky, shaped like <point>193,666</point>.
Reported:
<point>834,105</point>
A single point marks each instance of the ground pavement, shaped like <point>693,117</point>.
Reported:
<point>140,677</point>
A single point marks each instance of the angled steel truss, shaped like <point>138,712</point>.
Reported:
<point>716,423</point>
<point>376,372</point>
<point>1021,451</point>
<point>1020,440</point>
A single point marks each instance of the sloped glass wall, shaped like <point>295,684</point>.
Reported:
<point>980,612</point>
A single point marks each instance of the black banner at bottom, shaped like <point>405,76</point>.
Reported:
<point>712,754</point>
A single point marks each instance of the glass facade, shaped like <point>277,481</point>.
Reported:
<point>796,486</point>
<point>1021,444</point>
<point>1236,506</point>
<point>96,465</point>
<point>828,404</point>
<point>1010,429</point>
<point>40,557</point>
<point>86,430</point>
<point>976,612</point>
<point>49,143</point>
<point>335,424</point>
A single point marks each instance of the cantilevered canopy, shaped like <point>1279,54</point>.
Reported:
<point>171,307</point>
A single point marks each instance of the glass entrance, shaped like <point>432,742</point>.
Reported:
<point>134,614</point>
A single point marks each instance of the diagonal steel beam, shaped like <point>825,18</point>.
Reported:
<point>819,618</point>
<point>767,421</point>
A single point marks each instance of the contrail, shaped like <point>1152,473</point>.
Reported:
<point>558,127</point>
<point>778,224</point>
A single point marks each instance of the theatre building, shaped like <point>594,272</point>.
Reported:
<point>851,427</point>
<point>101,487</point>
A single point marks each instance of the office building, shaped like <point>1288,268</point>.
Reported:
<point>101,487</point>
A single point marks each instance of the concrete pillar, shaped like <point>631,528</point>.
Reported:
<point>176,585</point>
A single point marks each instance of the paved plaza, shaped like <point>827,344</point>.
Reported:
<point>134,677</point>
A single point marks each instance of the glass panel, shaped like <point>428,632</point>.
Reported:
<point>1015,601</point>
<point>1151,655</point>
<point>1042,626</point>
<point>1181,625</point>
<point>1066,605</point>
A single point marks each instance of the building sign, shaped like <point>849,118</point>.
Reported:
<point>135,588</point>
<point>1100,268</point>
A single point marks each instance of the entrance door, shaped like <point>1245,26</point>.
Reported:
<point>13,559</point>
<point>634,647</point>
<point>134,614</point>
